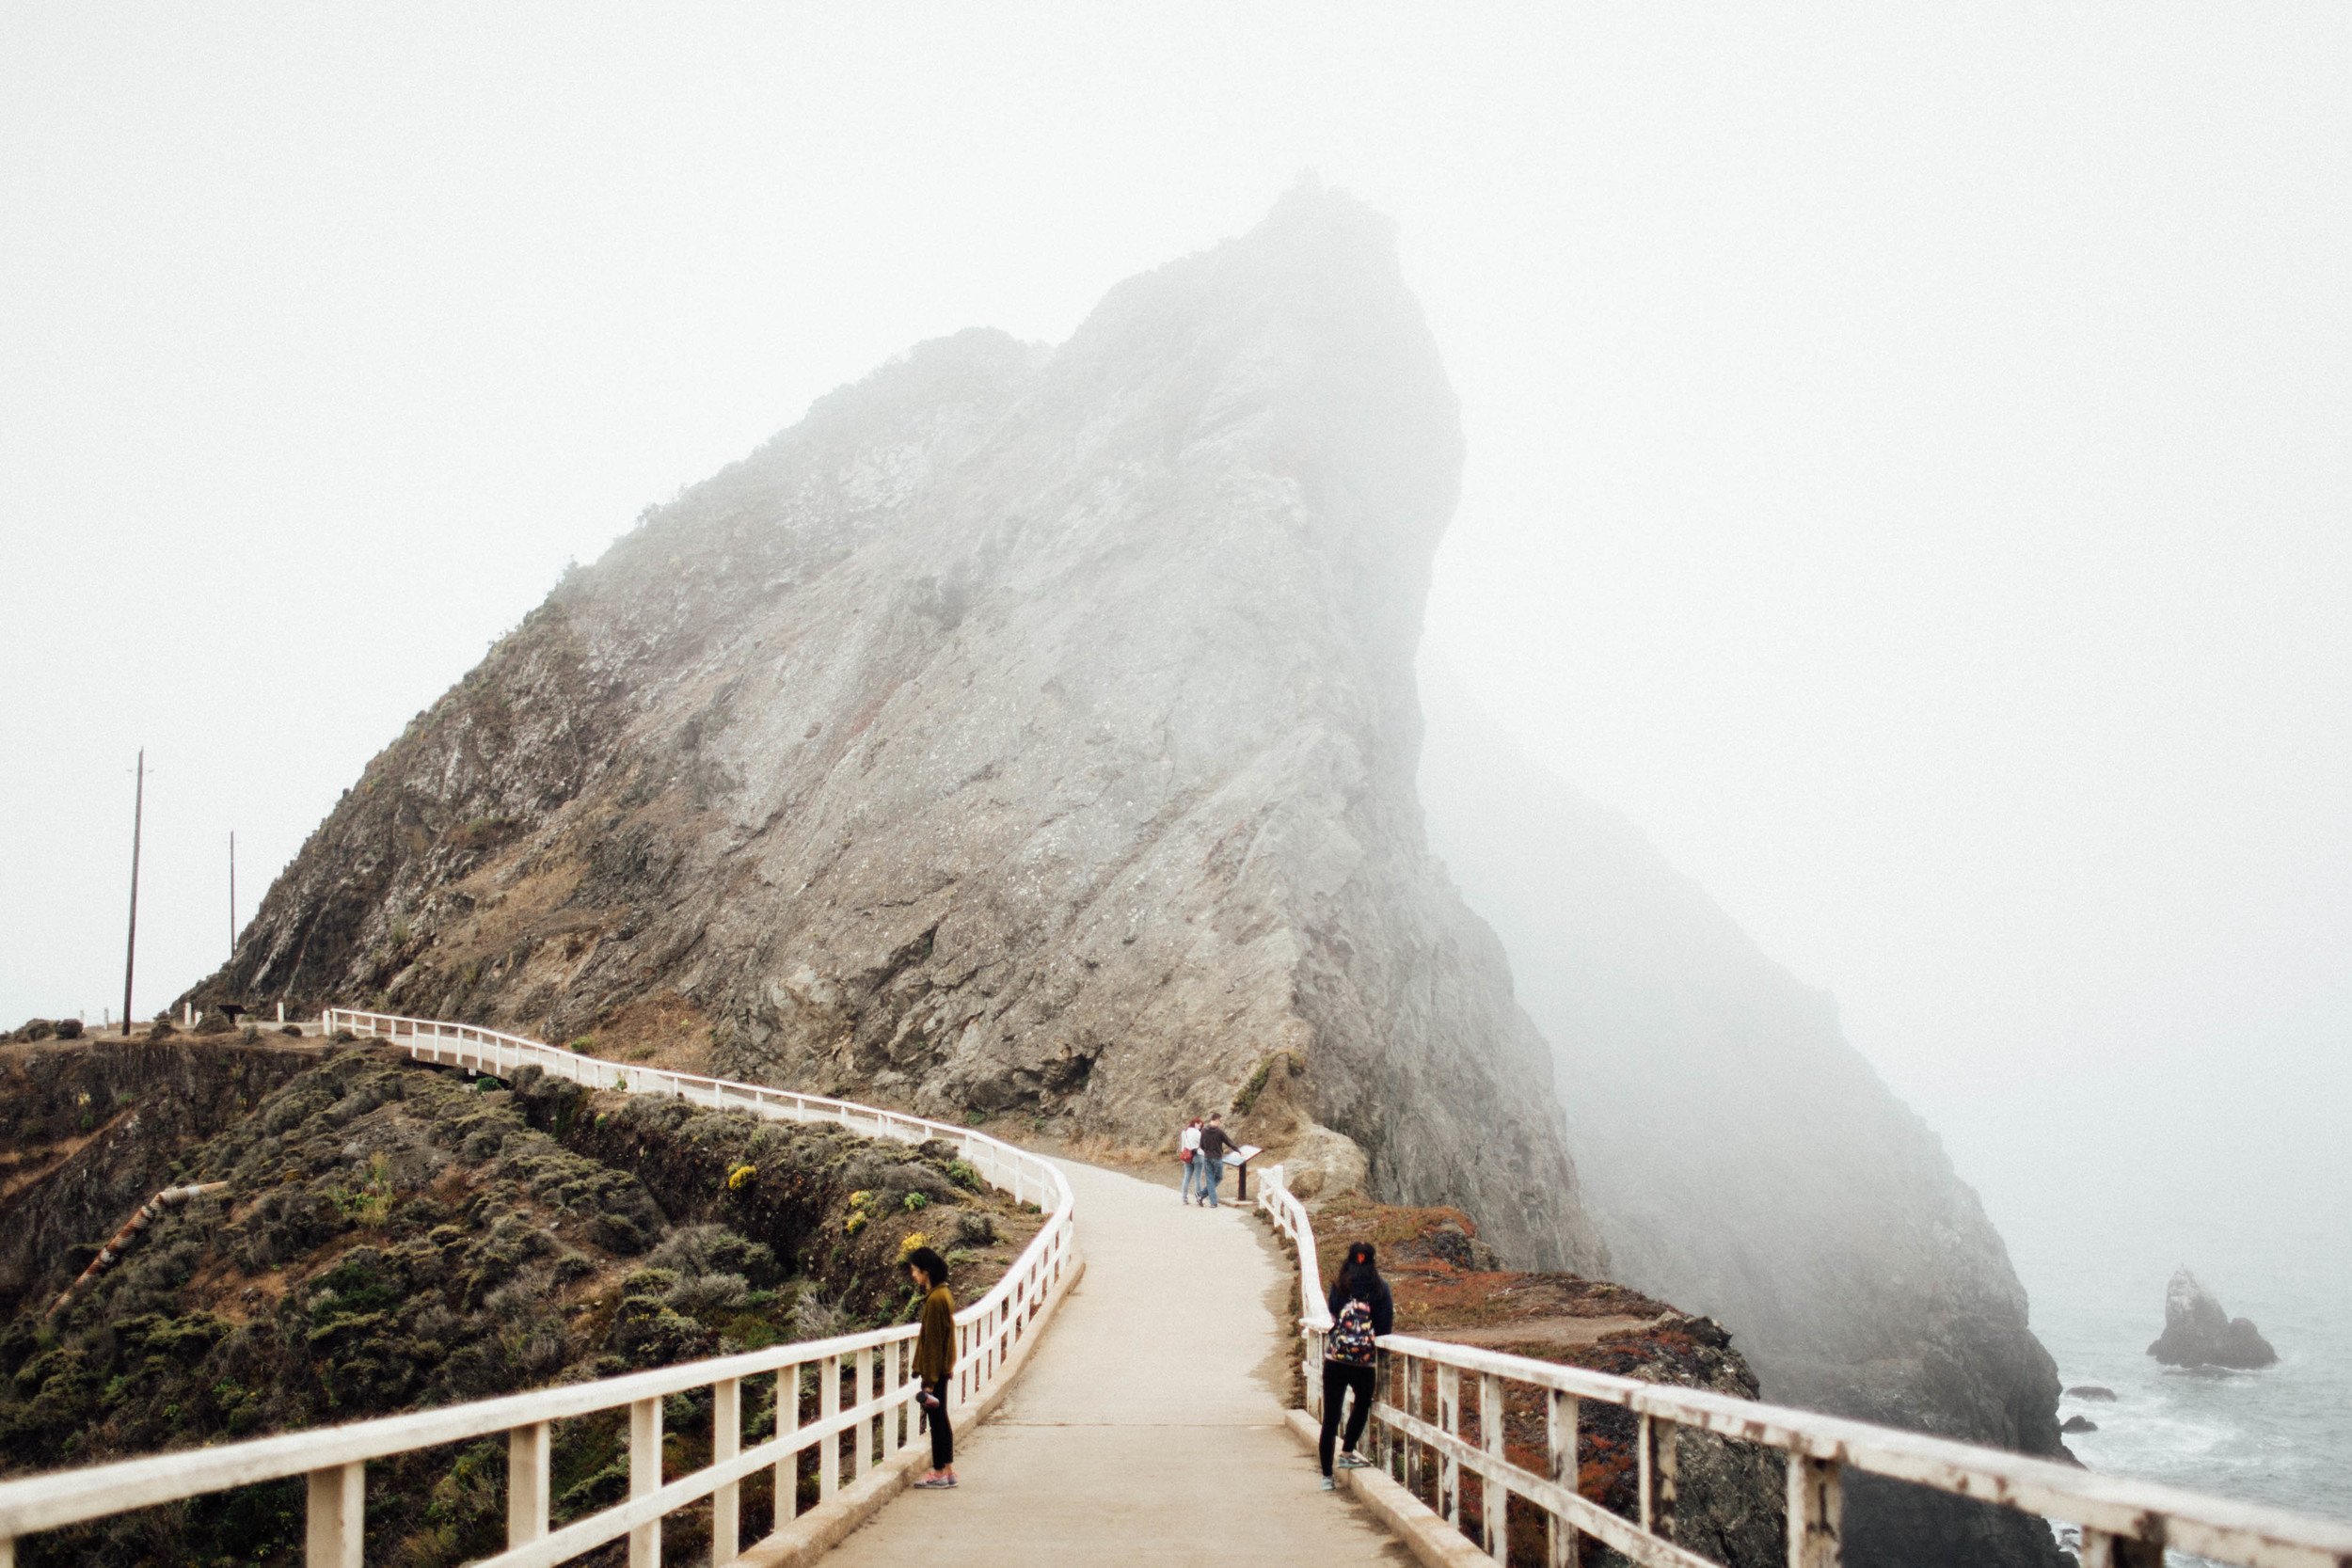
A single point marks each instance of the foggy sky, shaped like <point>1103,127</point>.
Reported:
<point>1908,457</point>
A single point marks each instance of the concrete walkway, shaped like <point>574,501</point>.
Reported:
<point>1149,1428</point>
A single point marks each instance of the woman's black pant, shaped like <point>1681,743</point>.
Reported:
<point>943,1435</point>
<point>1339,1378</point>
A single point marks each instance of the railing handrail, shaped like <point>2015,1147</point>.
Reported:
<point>985,1329</point>
<point>2125,1520</point>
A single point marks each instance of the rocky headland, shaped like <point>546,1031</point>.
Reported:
<point>1028,732</point>
<point>1741,1157</point>
<point>2197,1333</point>
<point>1031,735</point>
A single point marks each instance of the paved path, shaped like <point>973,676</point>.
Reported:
<point>1148,1428</point>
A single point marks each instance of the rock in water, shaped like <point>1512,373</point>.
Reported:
<point>1024,731</point>
<point>2197,1333</point>
<point>2075,1424</point>
<point>2091,1391</point>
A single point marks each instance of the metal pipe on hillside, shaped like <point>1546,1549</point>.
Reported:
<point>112,1250</point>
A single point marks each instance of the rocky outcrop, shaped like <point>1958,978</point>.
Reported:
<point>1741,1156</point>
<point>1025,731</point>
<point>2197,1333</point>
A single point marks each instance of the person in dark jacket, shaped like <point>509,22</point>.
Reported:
<point>935,1361</point>
<point>1349,1359</point>
<point>1215,1146</point>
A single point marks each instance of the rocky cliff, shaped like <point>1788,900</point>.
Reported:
<point>1741,1158</point>
<point>1025,731</point>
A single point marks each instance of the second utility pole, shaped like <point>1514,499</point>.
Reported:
<point>130,948</point>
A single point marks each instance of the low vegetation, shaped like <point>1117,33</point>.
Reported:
<point>393,1237</point>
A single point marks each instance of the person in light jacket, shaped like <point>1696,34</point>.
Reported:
<point>935,1361</point>
<point>1188,1151</point>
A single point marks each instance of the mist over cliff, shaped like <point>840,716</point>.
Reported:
<point>1741,1157</point>
<point>1026,731</point>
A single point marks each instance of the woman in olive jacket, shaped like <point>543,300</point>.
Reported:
<point>935,1361</point>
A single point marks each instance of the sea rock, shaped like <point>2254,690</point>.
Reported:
<point>2078,1423</point>
<point>2197,1333</point>
<point>1027,733</point>
<point>2090,1391</point>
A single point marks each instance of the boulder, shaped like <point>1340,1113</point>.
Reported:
<point>2197,1333</point>
<point>2090,1391</point>
<point>2079,1423</point>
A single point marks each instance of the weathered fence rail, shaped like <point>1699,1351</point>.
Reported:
<point>1425,1386</point>
<point>864,1385</point>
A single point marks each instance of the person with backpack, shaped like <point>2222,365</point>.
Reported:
<point>935,1362</point>
<point>1215,1146</point>
<point>1188,1151</point>
<point>1361,1311</point>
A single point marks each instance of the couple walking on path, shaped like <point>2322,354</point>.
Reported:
<point>1202,1149</point>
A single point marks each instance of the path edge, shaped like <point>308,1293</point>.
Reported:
<point>1437,1543</point>
<point>826,1526</point>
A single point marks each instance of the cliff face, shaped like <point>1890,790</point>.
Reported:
<point>1024,731</point>
<point>1741,1157</point>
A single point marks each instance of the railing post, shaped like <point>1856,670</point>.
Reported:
<point>1665,1439</point>
<point>2102,1549</point>
<point>527,1483</point>
<point>1643,1513</point>
<point>1494,1500</point>
<point>337,1528</point>
<point>727,1441</point>
<point>865,1383</point>
<point>788,1466</point>
<point>1816,1512</point>
<point>644,1475</point>
<point>1560,1439</point>
<point>1449,1422</point>
<point>828,1406</point>
<point>1411,1404</point>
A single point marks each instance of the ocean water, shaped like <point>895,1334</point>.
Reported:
<point>2258,1203</point>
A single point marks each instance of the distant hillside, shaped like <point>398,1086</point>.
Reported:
<point>1741,1158</point>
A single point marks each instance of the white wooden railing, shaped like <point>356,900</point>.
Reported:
<point>879,1407</point>
<point>1418,1427</point>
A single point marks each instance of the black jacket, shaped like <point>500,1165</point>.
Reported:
<point>1214,1143</point>
<point>1372,1294</point>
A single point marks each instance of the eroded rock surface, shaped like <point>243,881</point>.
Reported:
<point>1026,731</point>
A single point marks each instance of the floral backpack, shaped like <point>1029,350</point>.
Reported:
<point>1350,1341</point>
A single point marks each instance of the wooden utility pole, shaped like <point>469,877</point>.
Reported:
<point>131,947</point>
<point>232,896</point>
